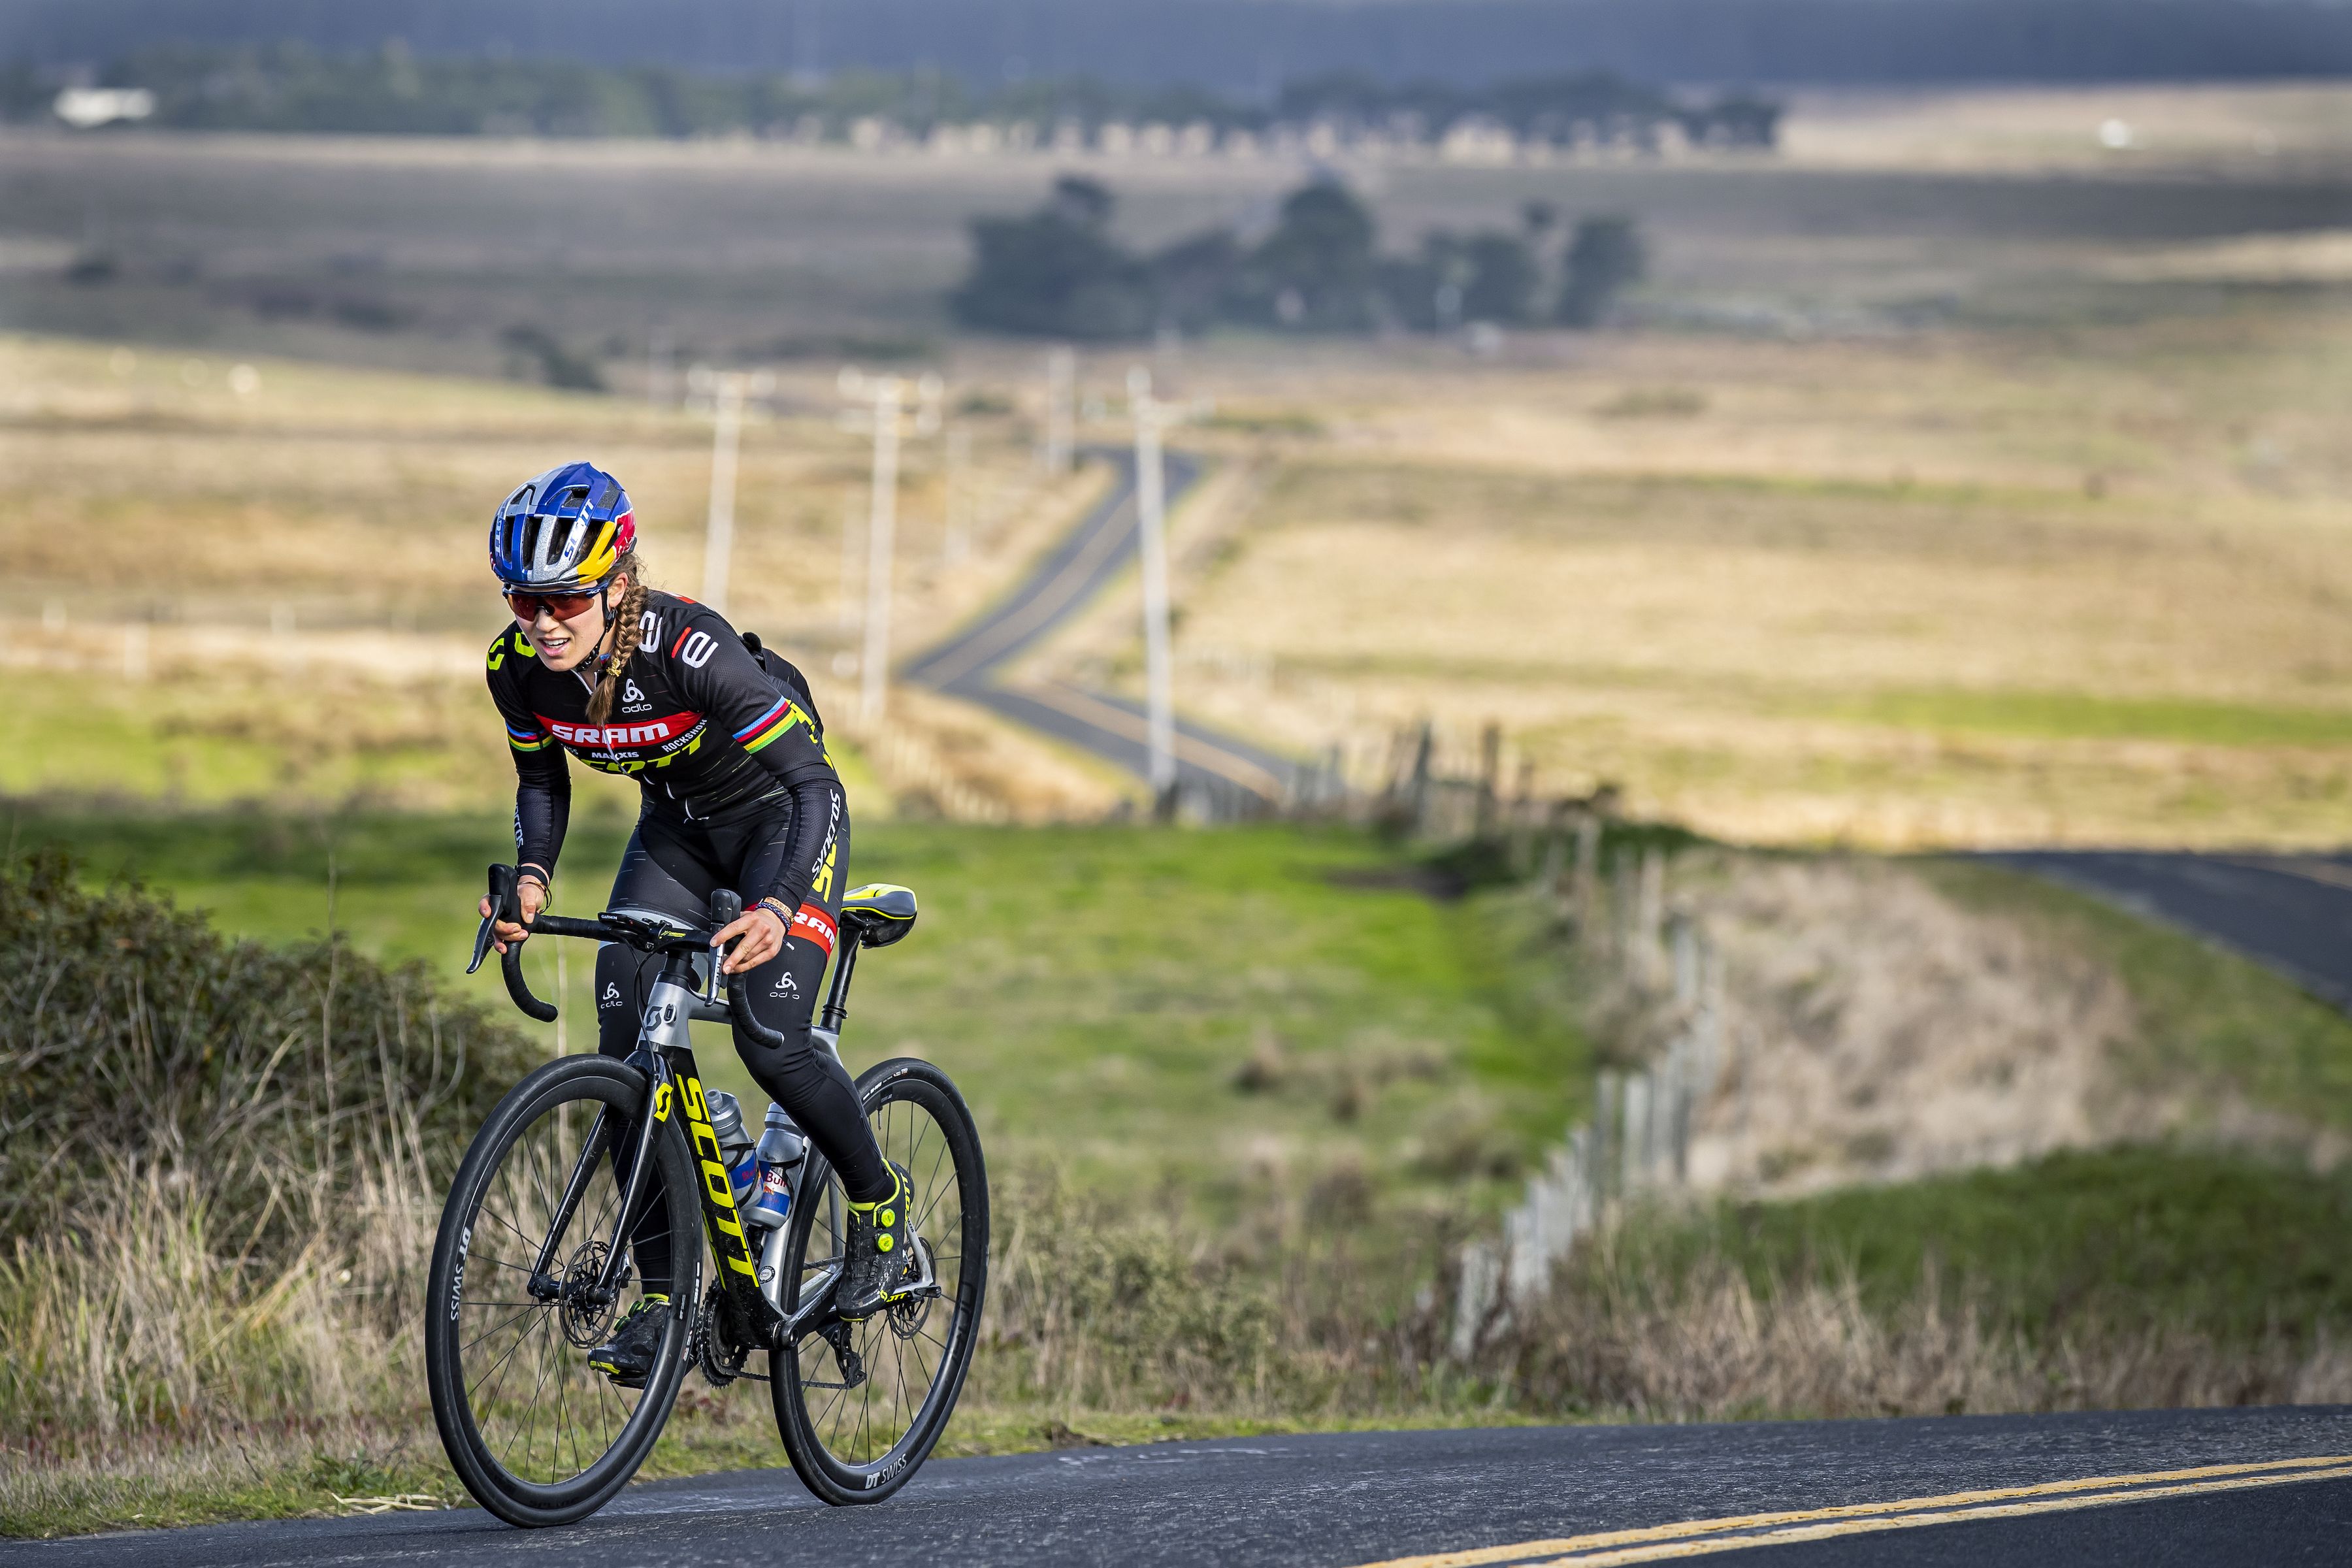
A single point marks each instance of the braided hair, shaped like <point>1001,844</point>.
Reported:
<point>628,616</point>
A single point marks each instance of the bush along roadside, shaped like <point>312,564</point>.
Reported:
<point>220,1166</point>
<point>1874,1136</point>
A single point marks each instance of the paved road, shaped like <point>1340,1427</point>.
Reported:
<point>1843,1491</point>
<point>2292,912</point>
<point>1230,775</point>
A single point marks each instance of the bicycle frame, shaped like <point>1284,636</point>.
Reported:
<point>666,1055</point>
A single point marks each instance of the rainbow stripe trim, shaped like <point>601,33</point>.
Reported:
<point>527,740</point>
<point>770,725</point>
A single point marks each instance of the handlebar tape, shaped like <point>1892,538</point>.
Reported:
<point>519,989</point>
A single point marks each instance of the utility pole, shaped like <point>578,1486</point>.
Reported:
<point>1061,378</point>
<point>1152,541</point>
<point>882,418</point>
<point>727,390</point>
<point>957,542</point>
<point>881,531</point>
<point>852,529</point>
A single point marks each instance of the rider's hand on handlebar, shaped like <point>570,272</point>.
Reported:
<point>532,896</point>
<point>763,933</point>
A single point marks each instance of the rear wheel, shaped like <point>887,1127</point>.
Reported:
<point>859,1404</point>
<point>536,1436</point>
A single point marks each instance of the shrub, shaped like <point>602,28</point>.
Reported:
<point>219,1164</point>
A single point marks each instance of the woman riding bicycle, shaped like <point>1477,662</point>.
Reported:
<point>739,792</point>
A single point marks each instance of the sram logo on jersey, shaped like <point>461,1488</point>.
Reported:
<point>635,732</point>
<point>812,923</point>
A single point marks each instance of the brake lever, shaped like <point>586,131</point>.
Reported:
<point>726,907</point>
<point>502,887</point>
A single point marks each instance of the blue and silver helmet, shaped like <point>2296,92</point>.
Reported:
<point>566,529</point>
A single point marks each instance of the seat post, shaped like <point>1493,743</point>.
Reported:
<point>836,995</point>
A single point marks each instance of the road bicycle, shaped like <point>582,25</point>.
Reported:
<point>533,1266</point>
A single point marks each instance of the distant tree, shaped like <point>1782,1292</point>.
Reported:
<point>23,95</point>
<point>1490,276</point>
<point>1604,255</point>
<point>1056,272</point>
<point>1315,271</point>
<point>1503,279</point>
<point>557,365</point>
<point>1084,202</point>
<point>1424,292</point>
<point>1194,278</point>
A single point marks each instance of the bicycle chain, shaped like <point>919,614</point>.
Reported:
<point>710,1346</point>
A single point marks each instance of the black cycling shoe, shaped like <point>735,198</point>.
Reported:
<point>628,1358</point>
<point>880,1252</point>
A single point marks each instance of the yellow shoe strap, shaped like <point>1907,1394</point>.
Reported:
<point>898,1191</point>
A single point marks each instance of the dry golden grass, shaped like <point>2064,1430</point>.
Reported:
<point>354,503</point>
<point>1965,589</point>
<point>146,483</point>
<point>1712,1347</point>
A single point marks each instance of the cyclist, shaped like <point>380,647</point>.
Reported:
<point>738,792</point>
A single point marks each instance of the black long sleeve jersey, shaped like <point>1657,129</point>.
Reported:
<point>702,726</point>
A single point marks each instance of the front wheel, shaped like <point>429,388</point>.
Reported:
<point>536,1434</point>
<point>859,1404</point>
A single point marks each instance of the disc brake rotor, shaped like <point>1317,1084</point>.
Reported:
<point>586,1321</point>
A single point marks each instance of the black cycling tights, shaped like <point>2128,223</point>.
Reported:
<point>672,869</point>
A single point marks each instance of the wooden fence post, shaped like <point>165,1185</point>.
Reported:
<point>1490,778</point>
<point>1419,798</point>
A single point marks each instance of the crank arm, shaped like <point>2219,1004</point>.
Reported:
<point>812,1315</point>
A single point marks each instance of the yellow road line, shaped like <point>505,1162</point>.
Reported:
<point>1665,1550</point>
<point>1119,722</point>
<point>1677,1540</point>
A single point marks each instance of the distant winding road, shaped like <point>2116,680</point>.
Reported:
<point>2235,1488</point>
<point>2291,913</point>
<point>1231,775</point>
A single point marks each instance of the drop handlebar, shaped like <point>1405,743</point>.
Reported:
<point>646,936</point>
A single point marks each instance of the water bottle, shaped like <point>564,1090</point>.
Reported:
<point>782,1150</point>
<point>735,1147</point>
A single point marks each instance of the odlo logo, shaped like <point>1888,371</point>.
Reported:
<point>632,699</point>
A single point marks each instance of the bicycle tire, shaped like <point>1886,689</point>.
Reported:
<point>844,1480</point>
<point>460,1381</point>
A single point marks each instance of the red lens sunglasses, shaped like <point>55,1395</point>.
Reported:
<point>563,607</point>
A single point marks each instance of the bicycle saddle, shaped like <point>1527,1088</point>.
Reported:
<point>879,912</point>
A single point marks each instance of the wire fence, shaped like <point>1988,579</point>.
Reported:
<point>1638,1139</point>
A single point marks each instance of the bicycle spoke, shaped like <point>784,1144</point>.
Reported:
<point>558,1425</point>
<point>497,1368</point>
<point>518,1234</point>
<point>528,1307</point>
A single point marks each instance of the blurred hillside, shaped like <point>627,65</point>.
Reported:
<point>1248,45</point>
<point>1958,477</point>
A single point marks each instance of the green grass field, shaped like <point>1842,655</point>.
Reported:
<point>1208,1012</point>
<point>2144,1240</point>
